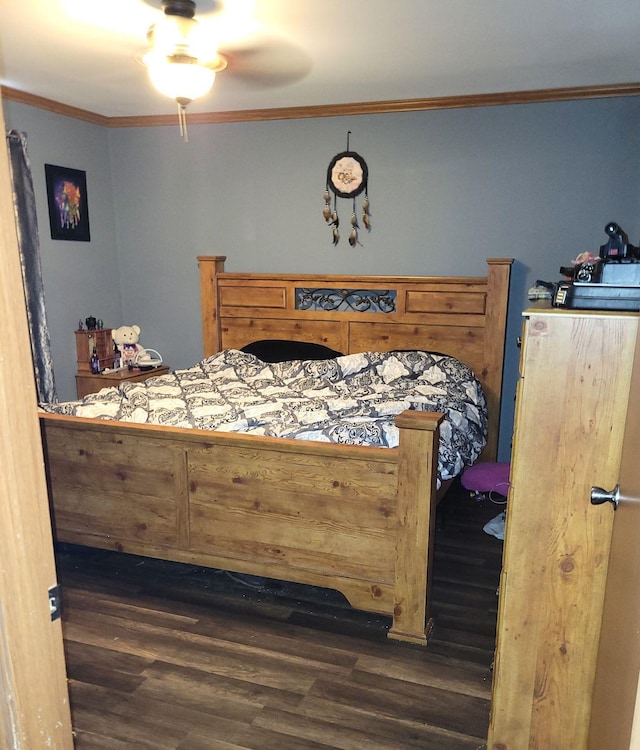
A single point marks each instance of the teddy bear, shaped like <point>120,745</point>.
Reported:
<point>125,340</point>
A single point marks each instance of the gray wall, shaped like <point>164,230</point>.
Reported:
<point>447,188</point>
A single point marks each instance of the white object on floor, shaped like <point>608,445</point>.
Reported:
<point>495,526</point>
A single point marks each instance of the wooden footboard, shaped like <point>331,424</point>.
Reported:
<point>356,519</point>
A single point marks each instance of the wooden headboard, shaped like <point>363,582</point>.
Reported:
<point>464,317</point>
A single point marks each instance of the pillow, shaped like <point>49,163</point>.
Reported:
<point>279,350</point>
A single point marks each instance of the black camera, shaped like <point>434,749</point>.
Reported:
<point>618,246</point>
<point>609,281</point>
<point>618,261</point>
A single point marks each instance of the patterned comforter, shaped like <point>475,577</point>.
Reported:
<point>351,399</point>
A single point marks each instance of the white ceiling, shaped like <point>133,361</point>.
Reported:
<point>358,50</point>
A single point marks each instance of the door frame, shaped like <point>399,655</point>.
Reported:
<point>35,711</point>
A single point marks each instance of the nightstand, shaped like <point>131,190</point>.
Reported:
<point>87,383</point>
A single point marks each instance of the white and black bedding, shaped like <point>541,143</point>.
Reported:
<point>347,399</point>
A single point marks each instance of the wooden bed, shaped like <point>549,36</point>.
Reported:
<point>356,519</point>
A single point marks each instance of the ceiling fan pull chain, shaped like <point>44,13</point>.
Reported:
<point>182,122</point>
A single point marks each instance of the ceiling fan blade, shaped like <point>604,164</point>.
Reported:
<point>267,62</point>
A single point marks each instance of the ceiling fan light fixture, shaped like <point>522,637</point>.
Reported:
<point>181,61</point>
<point>180,77</point>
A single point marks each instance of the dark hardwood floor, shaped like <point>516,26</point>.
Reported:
<point>163,655</point>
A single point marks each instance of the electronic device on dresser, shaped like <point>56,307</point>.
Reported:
<point>608,281</point>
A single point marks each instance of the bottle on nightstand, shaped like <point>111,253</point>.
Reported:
<point>95,362</point>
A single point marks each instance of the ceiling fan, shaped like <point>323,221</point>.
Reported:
<point>184,56</point>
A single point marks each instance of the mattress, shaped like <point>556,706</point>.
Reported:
<point>348,399</point>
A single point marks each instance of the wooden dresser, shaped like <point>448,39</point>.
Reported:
<point>571,405</point>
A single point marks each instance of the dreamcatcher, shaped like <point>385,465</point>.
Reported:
<point>347,177</point>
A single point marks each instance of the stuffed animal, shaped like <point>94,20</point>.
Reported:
<point>125,339</point>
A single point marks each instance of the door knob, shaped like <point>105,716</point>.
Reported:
<point>600,496</point>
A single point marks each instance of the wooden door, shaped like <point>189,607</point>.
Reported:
<point>615,710</point>
<point>571,408</point>
<point>34,701</point>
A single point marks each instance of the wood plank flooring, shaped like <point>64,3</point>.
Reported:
<point>162,655</point>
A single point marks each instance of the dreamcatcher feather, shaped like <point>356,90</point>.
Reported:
<point>347,177</point>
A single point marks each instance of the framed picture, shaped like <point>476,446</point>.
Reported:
<point>68,205</point>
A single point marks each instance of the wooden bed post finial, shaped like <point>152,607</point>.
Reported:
<point>210,266</point>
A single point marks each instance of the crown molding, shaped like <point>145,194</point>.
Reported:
<point>332,110</point>
<point>52,106</point>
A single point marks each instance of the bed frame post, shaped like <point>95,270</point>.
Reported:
<point>416,506</point>
<point>210,266</point>
<point>498,277</point>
